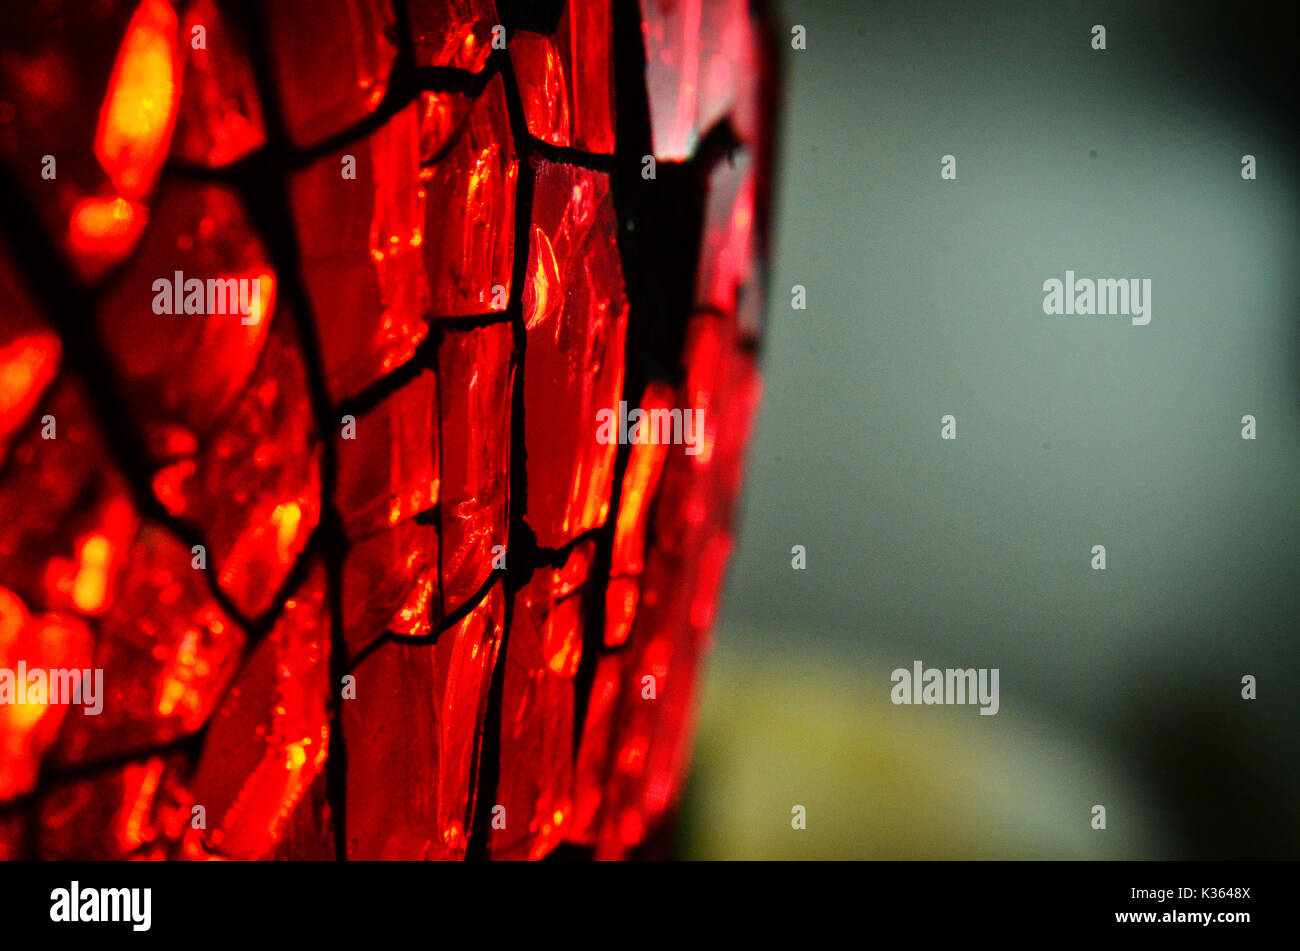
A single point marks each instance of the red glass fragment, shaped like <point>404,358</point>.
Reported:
<point>116,110</point>
<point>697,491</point>
<point>167,650</point>
<point>475,382</point>
<point>469,233</point>
<point>566,80</point>
<point>269,739</point>
<point>593,750</point>
<point>388,459</point>
<point>103,231</point>
<point>332,59</point>
<point>542,655</point>
<point>60,460</point>
<point>173,329</point>
<point>92,547</point>
<point>29,724</point>
<point>726,252</point>
<point>220,116</point>
<point>308,833</point>
<point>575,310</point>
<point>139,108</point>
<point>360,219</point>
<point>702,63</point>
<point>621,596</point>
<point>646,750</point>
<point>390,583</point>
<point>136,811</point>
<point>135,128</point>
<point>455,33</point>
<point>254,487</point>
<point>416,727</point>
<point>30,355</point>
<point>442,114</point>
<point>543,86</point>
<point>557,613</point>
<point>645,463</point>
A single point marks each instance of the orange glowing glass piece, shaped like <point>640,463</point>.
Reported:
<point>139,109</point>
<point>105,227</point>
<point>621,597</point>
<point>23,364</point>
<point>27,365</point>
<point>135,811</point>
<point>90,587</point>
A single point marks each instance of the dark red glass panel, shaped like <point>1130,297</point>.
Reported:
<point>360,217</point>
<point>332,59</point>
<point>185,356</point>
<point>220,117</point>
<point>136,811</point>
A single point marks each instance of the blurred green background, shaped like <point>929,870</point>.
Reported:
<point>1119,687</point>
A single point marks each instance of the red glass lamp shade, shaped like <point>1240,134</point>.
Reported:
<point>361,578</point>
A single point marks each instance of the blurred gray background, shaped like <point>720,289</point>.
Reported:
<point>1119,687</point>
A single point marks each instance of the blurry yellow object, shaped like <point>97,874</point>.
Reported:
<point>881,781</point>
